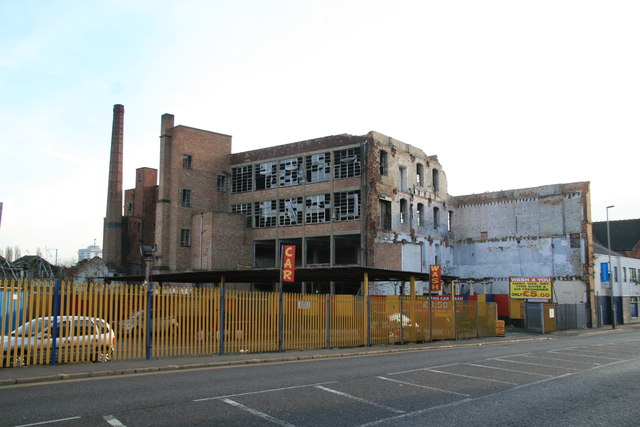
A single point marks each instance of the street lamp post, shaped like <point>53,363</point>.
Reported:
<point>613,306</point>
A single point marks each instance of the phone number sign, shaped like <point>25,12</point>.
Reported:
<point>530,287</point>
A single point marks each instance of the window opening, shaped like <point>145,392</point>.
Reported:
<point>318,250</point>
<point>265,214</point>
<point>384,163</point>
<point>185,197</point>
<point>221,183</point>
<point>347,163</point>
<point>403,178</point>
<point>186,161</point>
<point>404,217</point>
<point>449,220</point>
<point>318,167</point>
<point>420,175</point>
<point>436,218</point>
<point>347,249</point>
<point>346,206</point>
<point>241,180</point>
<point>421,215</point>
<point>185,237</point>
<point>266,175</point>
<point>318,208</point>
<point>436,180</point>
<point>385,214</point>
<point>291,172</point>
<point>291,211</point>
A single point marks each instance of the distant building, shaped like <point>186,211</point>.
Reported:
<point>89,252</point>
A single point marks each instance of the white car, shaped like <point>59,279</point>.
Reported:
<point>137,320</point>
<point>77,335</point>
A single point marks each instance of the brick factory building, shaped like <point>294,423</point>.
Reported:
<point>367,200</point>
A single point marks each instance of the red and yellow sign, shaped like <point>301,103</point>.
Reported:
<point>531,287</point>
<point>435,278</point>
<point>288,263</point>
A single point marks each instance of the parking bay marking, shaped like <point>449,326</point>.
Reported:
<point>258,413</point>
<point>359,399</point>
<point>424,386</point>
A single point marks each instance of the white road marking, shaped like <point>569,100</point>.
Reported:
<point>424,386</point>
<point>113,421</point>
<point>359,399</point>
<point>505,369</point>
<point>204,399</point>
<point>472,377</point>
<point>61,420</point>
<point>257,413</point>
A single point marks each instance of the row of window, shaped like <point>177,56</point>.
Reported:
<point>314,209</point>
<point>420,178</point>
<point>296,171</point>
<point>405,215</point>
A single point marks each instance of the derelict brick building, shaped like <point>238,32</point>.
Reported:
<point>367,200</point>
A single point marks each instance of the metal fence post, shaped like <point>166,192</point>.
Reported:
<point>222,327</point>
<point>149,318</point>
<point>328,320</point>
<point>56,326</point>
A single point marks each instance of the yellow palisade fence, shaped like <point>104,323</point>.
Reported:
<point>99,322</point>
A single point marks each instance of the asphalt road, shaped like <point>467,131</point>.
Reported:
<point>588,380</point>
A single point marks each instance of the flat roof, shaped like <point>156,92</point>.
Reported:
<point>266,275</point>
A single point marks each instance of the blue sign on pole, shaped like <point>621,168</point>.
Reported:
<point>604,274</point>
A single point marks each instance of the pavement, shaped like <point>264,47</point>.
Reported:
<point>71,371</point>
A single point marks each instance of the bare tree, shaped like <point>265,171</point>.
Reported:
<point>16,253</point>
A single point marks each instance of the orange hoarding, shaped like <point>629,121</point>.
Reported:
<point>288,263</point>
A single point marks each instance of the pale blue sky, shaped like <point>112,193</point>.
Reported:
<point>508,94</point>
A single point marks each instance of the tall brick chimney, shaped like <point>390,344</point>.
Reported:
<point>112,235</point>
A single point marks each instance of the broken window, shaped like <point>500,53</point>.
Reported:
<point>419,174</point>
<point>291,172</point>
<point>384,163</point>
<point>346,206</point>
<point>449,220</point>
<point>436,218</point>
<point>241,179</point>
<point>420,218</point>
<point>265,214</point>
<point>243,208</point>
<point>385,215</point>
<point>291,211</point>
<point>319,167</point>
<point>318,208</point>
<point>185,197</point>
<point>221,184</point>
<point>266,175</point>
<point>185,237</point>
<point>347,163</point>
